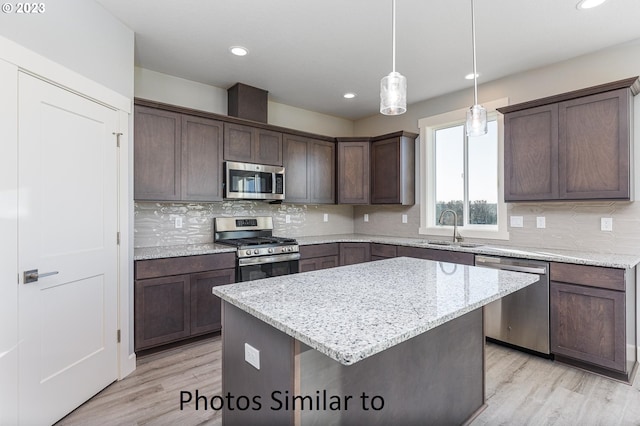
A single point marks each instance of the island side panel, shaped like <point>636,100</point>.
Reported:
<point>434,378</point>
<point>241,379</point>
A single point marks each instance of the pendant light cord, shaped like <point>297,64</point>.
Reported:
<point>473,40</point>
<point>393,34</point>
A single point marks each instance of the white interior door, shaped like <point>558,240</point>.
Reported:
<point>67,191</point>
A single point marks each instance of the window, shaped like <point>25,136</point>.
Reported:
<point>462,174</point>
<point>466,172</point>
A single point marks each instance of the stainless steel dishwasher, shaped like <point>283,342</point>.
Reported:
<point>521,318</point>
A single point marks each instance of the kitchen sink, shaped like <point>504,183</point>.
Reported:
<point>451,243</point>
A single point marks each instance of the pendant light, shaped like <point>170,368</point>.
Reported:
<point>476,124</point>
<point>393,87</point>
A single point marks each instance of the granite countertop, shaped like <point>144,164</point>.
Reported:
<point>352,312</point>
<point>550,255</point>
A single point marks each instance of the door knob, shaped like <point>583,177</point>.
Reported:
<point>32,275</point>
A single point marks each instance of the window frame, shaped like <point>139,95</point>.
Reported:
<point>428,126</point>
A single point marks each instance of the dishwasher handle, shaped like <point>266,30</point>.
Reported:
<point>496,263</point>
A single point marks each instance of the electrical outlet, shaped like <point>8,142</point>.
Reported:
<point>287,218</point>
<point>516,221</point>
<point>606,224</point>
<point>326,217</point>
<point>366,217</point>
<point>541,222</point>
<point>252,355</point>
<point>404,218</point>
<point>178,222</point>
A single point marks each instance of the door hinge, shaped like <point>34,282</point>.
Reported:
<point>117,138</point>
<point>118,238</point>
<point>118,336</point>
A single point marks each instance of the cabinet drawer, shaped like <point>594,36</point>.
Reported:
<point>319,250</point>
<point>383,250</point>
<point>592,276</point>
<point>183,265</point>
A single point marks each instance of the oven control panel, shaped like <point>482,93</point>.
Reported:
<point>265,251</point>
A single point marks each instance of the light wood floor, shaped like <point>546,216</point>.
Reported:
<point>521,390</point>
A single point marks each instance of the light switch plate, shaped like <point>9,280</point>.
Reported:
<point>541,222</point>
<point>287,218</point>
<point>606,224</point>
<point>252,355</point>
<point>325,218</point>
<point>516,221</point>
<point>178,222</point>
<point>404,218</point>
<point>366,217</point>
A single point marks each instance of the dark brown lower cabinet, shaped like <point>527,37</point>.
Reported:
<point>170,308</point>
<point>588,324</point>
<point>438,255</point>
<point>318,256</point>
<point>161,310</point>
<point>383,251</point>
<point>205,307</point>
<point>352,253</point>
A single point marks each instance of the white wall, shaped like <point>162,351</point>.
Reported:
<point>166,88</point>
<point>82,36</point>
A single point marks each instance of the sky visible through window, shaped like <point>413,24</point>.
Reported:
<point>482,170</point>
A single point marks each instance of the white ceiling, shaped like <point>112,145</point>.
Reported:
<point>307,53</point>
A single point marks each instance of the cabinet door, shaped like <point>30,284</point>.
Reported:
<point>393,171</point>
<point>594,146</point>
<point>531,154</point>
<point>157,150</point>
<point>269,147</point>
<point>296,169</point>
<point>205,306</point>
<point>162,310</point>
<point>352,253</point>
<point>353,172</point>
<point>201,159</point>
<point>322,172</point>
<point>588,324</point>
<point>239,143</point>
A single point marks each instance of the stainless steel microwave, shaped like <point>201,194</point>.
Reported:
<point>247,181</point>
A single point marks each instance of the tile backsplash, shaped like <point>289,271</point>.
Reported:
<point>155,222</point>
<point>568,225</point>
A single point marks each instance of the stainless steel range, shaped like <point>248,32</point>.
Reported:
<point>260,253</point>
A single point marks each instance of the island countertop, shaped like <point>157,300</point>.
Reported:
<point>352,312</point>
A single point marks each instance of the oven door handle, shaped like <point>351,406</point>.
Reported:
<point>268,259</point>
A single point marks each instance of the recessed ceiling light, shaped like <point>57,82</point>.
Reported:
<point>588,4</point>
<point>349,95</point>
<point>238,50</point>
<point>470,76</point>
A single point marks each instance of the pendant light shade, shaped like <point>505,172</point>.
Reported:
<point>393,94</point>
<point>393,87</point>
<point>476,124</point>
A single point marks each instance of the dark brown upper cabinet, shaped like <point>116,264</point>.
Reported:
<point>353,170</point>
<point>378,170</point>
<point>177,156</point>
<point>250,144</point>
<point>393,168</point>
<point>573,146</point>
<point>309,170</point>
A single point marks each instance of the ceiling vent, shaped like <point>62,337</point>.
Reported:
<point>247,102</point>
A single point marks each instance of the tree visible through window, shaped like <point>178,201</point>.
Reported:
<point>466,175</point>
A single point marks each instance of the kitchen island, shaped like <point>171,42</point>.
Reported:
<point>397,341</point>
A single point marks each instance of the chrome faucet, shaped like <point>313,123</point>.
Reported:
<point>456,235</point>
